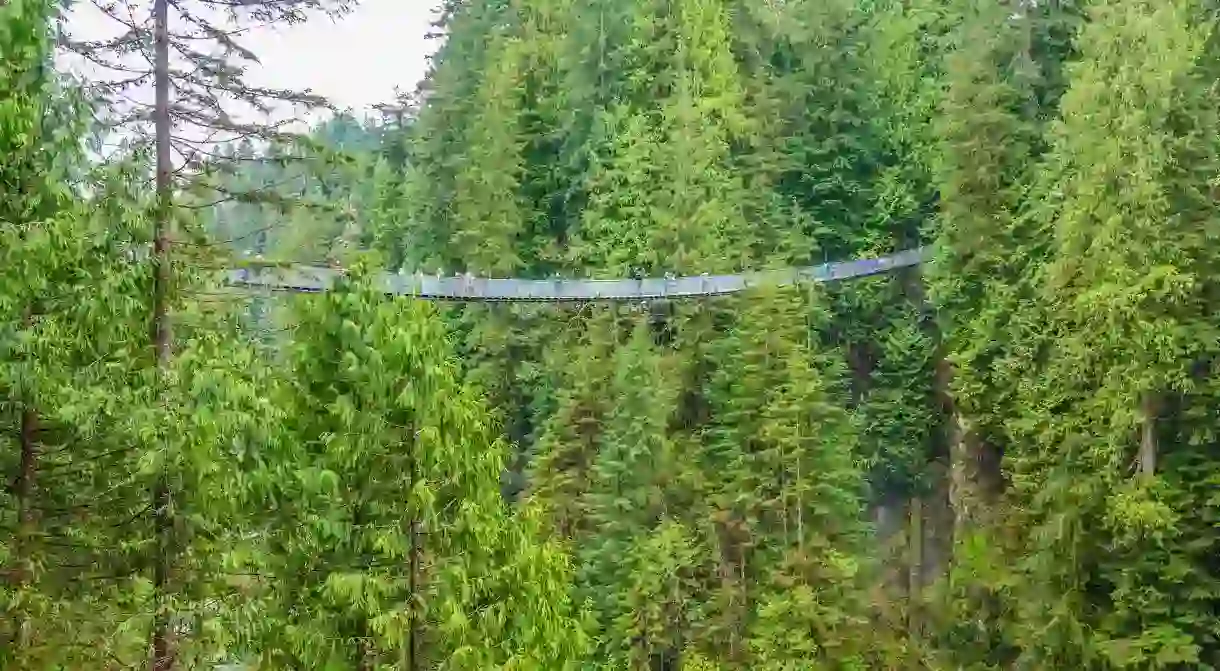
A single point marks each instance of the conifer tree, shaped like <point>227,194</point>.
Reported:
<point>78,296</point>
<point>662,195</point>
<point>71,301</point>
<point>199,97</point>
<point>1106,462</point>
<point>786,493</point>
<point>625,137</point>
<point>36,196</point>
<point>987,137</point>
<point>392,535</point>
<point>638,561</point>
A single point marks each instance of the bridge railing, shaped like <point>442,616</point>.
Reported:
<point>309,279</point>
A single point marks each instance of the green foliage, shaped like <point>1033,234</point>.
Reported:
<point>56,254</point>
<point>1074,267</point>
<point>839,129</point>
<point>1128,331</point>
<point>392,542</point>
<point>1029,420</point>
<point>309,200</point>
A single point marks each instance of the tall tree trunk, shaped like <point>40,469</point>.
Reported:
<point>23,488</point>
<point>413,577</point>
<point>1150,408</point>
<point>27,472</point>
<point>23,492</point>
<point>162,644</point>
<point>915,566</point>
<point>975,478</point>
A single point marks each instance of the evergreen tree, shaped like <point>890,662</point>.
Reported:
<point>689,483</point>
<point>392,544</point>
<point>1108,452</point>
<point>66,296</point>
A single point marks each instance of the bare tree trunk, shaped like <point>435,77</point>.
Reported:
<point>162,644</point>
<point>975,477</point>
<point>1150,408</point>
<point>161,233</point>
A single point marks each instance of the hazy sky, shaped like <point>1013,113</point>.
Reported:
<point>356,61</point>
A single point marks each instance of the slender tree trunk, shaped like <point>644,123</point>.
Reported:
<point>1148,442</point>
<point>364,650</point>
<point>23,491</point>
<point>23,488</point>
<point>413,578</point>
<point>162,644</point>
<point>161,233</point>
<point>915,567</point>
<point>27,473</point>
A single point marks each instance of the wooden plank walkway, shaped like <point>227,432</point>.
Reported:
<point>467,288</point>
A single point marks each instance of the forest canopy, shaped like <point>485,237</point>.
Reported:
<point>999,459</point>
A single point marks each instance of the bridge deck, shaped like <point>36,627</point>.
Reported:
<point>304,279</point>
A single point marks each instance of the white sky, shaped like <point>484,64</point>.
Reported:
<point>356,61</point>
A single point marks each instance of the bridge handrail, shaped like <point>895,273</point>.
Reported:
<point>310,279</point>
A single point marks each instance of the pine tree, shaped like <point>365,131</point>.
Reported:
<point>988,137</point>
<point>662,193</point>
<point>564,136</point>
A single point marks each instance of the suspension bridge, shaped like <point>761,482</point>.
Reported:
<point>469,288</point>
